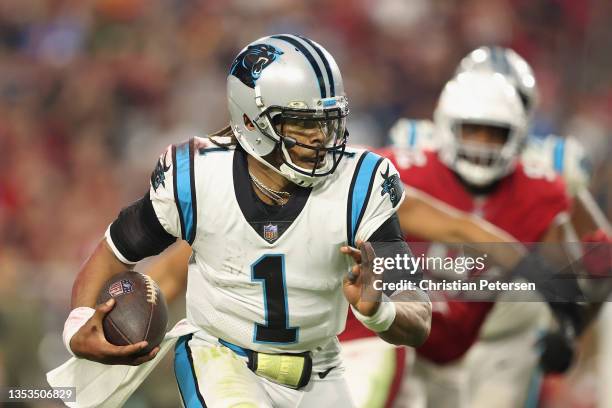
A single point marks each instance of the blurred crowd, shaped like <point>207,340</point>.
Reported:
<point>91,91</point>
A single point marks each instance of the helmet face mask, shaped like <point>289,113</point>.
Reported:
<point>293,128</point>
<point>291,91</point>
<point>479,161</point>
<point>476,150</point>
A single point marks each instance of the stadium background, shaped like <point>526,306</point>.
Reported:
<point>92,91</point>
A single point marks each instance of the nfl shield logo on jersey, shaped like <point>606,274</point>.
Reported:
<point>270,232</point>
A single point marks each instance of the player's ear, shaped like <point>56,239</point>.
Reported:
<point>247,122</point>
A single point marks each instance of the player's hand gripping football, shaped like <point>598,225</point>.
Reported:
<point>357,285</point>
<point>89,343</point>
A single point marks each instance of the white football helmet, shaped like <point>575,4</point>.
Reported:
<point>508,63</point>
<point>288,79</point>
<point>480,98</point>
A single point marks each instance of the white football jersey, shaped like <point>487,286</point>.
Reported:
<point>563,155</point>
<point>542,155</point>
<point>415,134</point>
<point>270,283</point>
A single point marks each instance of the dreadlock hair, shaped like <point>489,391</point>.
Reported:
<point>224,137</point>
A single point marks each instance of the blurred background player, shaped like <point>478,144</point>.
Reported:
<point>416,136</point>
<point>543,154</point>
<point>482,123</point>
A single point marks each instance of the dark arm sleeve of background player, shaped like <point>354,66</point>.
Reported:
<point>137,232</point>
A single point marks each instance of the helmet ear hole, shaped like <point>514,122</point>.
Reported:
<point>247,123</point>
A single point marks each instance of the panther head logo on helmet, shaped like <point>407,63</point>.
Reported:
<point>248,64</point>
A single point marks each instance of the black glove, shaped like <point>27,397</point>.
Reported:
<point>557,352</point>
<point>561,291</point>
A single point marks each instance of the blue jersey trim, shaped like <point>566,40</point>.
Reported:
<point>185,374</point>
<point>559,155</point>
<point>185,190</point>
<point>533,393</point>
<point>411,133</point>
<point>236,349</point>
<point>359,192</point>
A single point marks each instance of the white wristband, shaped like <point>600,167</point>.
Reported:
<point>76,319</point>
<point>379,321</point>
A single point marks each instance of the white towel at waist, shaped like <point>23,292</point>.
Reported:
<point>109,386</point>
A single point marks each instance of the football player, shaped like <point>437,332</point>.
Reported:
<point>482,126</point>
<point>484,387</point>
<point>541,157</point>
<point>272,224</point>
<point>544,154</point>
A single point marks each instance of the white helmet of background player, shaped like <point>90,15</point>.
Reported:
<point>480,98</point>
<point>288,77</point>
<point>508,63</point>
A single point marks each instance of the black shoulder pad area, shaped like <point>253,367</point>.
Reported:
<point>389,231</point>
<point>137,233</point>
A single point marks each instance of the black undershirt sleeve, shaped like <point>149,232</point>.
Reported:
<point>389,231</point>
<point>137,232</point>
<point>388,242</point>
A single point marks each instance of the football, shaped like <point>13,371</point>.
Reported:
<point>140,311</point>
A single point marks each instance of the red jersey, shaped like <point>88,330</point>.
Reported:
<point>523,205</point>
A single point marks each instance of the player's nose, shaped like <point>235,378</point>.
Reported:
<point>316,136</point>
<point>479,135</point>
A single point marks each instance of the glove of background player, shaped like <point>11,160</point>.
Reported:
<point>557,348</point>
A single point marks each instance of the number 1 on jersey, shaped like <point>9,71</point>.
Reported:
<point>270,271</point>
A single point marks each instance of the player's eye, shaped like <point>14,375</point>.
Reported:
<point>300,123</point>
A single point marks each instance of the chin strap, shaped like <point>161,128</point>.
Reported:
<point>299,179</point>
